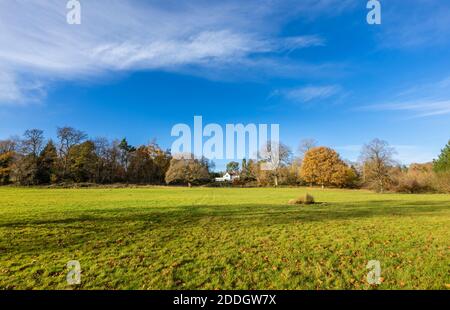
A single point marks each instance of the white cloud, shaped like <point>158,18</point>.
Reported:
<point>9,91</point>
<point>293,43</point>
<point>134,35</point>
<point>423,100</point>
<point>310,93</point>
<point>205,46</point>
<point>13,92</point>
<point>420,108</point>
<point>420,23</point>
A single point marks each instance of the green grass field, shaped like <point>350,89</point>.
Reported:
<point>218,238</point>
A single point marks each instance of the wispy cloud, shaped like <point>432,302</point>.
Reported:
<point>421,23</point>
<point>14,91</point>
<point>294,43</point>
<point>9,90</point>
<point>131,35</point>
<point>423,100</point>
<point>419,108</point>
<point>309,94</point>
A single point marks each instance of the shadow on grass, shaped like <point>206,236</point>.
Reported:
<point>75,228</point>
<point>267,213</point>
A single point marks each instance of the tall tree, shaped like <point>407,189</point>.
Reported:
<point>9,145</point>
<point>68,137</point>
<point>6,161</point>
<point>305,145</point>
<point>82,162</point>
<point>7,156</point>
<point>108,164</point>
<point>25,169</point>
<point>324,167</point>
<point>161,162</point>
<point>46,172</point>
<point>248,171</point>
<point>275,156</point>
<point>26,164</point>
<point>233,167</point>
<point>126,151</point>
<point>33,141</point>
<point>377,160</point>
<point>141,167</point>
<point>442,164</point>
<point>187,171</point>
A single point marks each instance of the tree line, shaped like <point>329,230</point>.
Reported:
<point>31,160</point>
<point>74,158</point>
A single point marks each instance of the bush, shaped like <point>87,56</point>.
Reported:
<point>414,184</point>
<point>306,199</point>
<point>419,178</point>
<point>442,182</point>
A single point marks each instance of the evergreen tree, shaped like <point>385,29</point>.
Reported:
<point>125,152</point>
<point>442,164</point>
<point>233,167</point>
<point>47,164</point>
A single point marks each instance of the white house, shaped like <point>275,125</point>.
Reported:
<point>227,177</point>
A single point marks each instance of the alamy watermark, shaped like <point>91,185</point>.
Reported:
<point>374,15</point>
<point>73,16</point>
<point>74,275</point>
<point>241,141</point>
<point>374,275</point>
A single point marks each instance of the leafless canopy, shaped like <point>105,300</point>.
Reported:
<point>33,141</point>
<point>305,145</point>
<point>378,151</point>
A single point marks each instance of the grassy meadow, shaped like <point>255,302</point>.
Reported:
<point>222,238</point>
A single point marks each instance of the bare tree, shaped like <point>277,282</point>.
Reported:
<point>68,137</point>
<point>305,145</point>
<point>9,145</point>
<point>26,163</point>
<point>33,142</point>
<point>377,159</point>
<point>277,155</point>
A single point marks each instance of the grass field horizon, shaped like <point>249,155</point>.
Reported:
<point>221,238</point>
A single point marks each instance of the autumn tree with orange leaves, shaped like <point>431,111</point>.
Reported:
<point>323,166</point>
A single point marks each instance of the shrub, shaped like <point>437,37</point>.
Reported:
<point>306,199</point>
<point>418,178</point>
<point>412,183</point>
<point>442,182</point>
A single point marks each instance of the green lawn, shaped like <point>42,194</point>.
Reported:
<point>218,238</point>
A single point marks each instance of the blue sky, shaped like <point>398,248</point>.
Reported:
<point>135,69</point>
